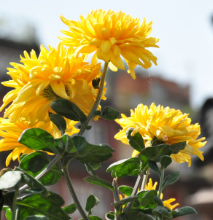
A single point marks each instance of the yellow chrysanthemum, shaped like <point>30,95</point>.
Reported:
<point>112,35</point>
<point>163,125</point>
<point>166,203</point>
<point>37,82</point>
<point>10,133</point>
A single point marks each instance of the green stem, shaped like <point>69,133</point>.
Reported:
<point>14,217</point>
<point>73,194</point>
<point>116,198</point>
<point>97,101</point>
<point>161,183</point>
<point>45,171</point>
<point>134,192</point>
<point>143,185</point>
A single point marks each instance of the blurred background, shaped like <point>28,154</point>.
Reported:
<point>183,79</point>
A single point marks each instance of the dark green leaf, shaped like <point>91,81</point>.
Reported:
<point>8,198</point>
<point>125,201</point>
<point>70,208</point>
<point>10,179</point>
<point>162,212</point>
<point>37,205</point>
<point>110,216</point>
<point>99,182</point>
<point>149,198</point>
<point>1,200</point>
<point>170,179</point>
<point>186,210</point>
<point>109,113</point>
<point>33,183</point>
<point>156,151</point>
<point>165,161</point>
<point>91,167</point>
<point>144,159</point>
<point>59,121</point>
<point>68,109</point>
<point>37,217</point>
<point>177,147</point>
<point>154,167</point>
<point>37,139</point>
<point>126,167</point>
<point>158,201</point>
<point>126,190</point>
<point>91,153</point>
<point>143,216</point>
<point>35,162</point>
<point>136,141</point>
<point>92,201</point>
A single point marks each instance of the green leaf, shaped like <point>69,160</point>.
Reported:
<point>68,109</point>
<point>144,159</point>
<point>143,216</point>
<point>10,179</point>
<point>178,147</point>
<point>92,201</point>
<point>35,162</point>
<point>37,205</point>
<point>165,161</point>
<point>135,141</point>
<point>149,198</point>
<point>156,151</point>
<point>110,216</point>
<point>37,139</point>
<point>186,210</point>
<point>99,182</point>
<point>91,153</point>
<point>170,179</point>
<point>94,218</point>
<point>90,167</point>
<point>154,167</point>
<point>37,217</point>
<point>126,167</point>
<point>158,201</point>
<point>33,183</point>
<point>125,201</point>
<point>162,212</point>
<point>59,121</point>
<point>8,214</point>
<point>70,208</point>
<point>126,190</point>
<point>109,113</point>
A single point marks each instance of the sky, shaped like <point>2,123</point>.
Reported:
<point>184,28</point>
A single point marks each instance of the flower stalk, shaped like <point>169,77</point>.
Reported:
<point>98,99</point>
<point>73,194</point>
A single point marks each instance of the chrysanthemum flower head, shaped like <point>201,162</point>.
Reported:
<point>163,125</point>
<point>166,203</point>
<point>112,35</point>
<point>38,81</point>
<point>10,133</point>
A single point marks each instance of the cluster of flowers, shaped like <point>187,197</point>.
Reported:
<point>64,72</point>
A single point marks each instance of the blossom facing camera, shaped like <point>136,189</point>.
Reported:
<point>163,125</point>
<point>38,81</point>
<point>10,133</point>
<point>112,35</point>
